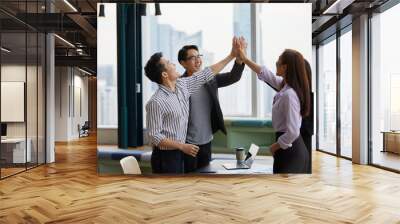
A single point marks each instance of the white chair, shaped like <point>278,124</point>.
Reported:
<point>130,165</point>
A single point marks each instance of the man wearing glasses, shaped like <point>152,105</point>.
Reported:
<point>205,115</point>
<point>168,109</point>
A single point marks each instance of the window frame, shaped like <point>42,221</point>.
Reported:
<point>379,10</point>
<point>255,32</point>
<point>334,37</point>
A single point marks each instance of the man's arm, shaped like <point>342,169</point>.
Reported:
<point>216,68</point>
<point>154,114</point>
<point>195,81</point>
<point>154,124</point>
<point>228,78</point>
<point>185,148</point>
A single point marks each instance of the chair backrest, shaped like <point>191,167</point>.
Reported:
<point>130,165</point>
<point>86,125</point>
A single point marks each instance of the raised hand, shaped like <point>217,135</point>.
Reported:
<point>235,47</point>
<point>217,67</point>
<point>242,55</point>
<point>242,44</point>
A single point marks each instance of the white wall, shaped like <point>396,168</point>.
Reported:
<point>33,126</point>
<point>79,117</point>
<point>17,73</point>
<point>61,103</point>
<point>71,87</point>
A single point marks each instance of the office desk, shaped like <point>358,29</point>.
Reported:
<point>13,150</point>
<point>261,165</point>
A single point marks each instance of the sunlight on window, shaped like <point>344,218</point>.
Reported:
<point>385,81</point>
<point>276,35</point>
<point>184,24</point>
<point>107,101</point>
<point>327,97</point>
<point>346,94</point>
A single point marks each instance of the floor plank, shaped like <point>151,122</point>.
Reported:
<point>70,191</point>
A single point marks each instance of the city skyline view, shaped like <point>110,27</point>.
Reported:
<point>179,25</point>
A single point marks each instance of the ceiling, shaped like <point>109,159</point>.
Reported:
<point>76,25</point>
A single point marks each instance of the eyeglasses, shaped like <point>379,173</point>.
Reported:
<point>191,58</point>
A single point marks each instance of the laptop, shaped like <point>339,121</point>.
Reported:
<point>250,157</point>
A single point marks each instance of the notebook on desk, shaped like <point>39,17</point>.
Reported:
<point>250,157</point>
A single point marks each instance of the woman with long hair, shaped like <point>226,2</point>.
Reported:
<point>291,103</point>
<point>307,124</point>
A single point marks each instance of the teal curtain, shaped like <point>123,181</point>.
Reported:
<point>130,103</point>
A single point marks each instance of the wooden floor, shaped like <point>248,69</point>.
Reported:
<point>70,191</point>
<point>10,171</point>
<point>386,159</point>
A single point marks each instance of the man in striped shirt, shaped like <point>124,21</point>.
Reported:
<point>168,110</point>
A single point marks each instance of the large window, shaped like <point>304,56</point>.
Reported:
<point>327,97</point>
<point>385,84</point>
<point>184,24</point>
<point>335,60</point>
<point>346,94</point>
<point>180,25</point>
<point>107,68</point>
<point>273,40</point>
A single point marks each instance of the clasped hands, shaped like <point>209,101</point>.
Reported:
<point>239,48</point>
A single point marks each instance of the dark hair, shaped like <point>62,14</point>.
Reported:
<point>182,54</point>
<point>297,78</point>
<point>154,68</point>
<point>309,73</point>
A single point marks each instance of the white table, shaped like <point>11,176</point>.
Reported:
<point>18,149</point>
<point>261,165</point>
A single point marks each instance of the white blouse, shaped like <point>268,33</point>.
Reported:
<point>286,115</point>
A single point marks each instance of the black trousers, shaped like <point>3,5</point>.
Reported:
<point>291,160</point>
<point>166,161</point>
<point>307,139</point>
<point>202,159</point>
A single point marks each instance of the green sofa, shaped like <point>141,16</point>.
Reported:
<point>108,159</point>
<point>241,132</point>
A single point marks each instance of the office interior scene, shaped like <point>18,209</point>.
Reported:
<point>246,104</point>
<point>75,132</point>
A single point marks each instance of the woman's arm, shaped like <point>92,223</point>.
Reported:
<point>263,73</point>
<point>252,65</point>
<point>242,47</point>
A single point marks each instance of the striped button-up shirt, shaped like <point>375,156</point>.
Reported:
<point>168,111</point>
<point>286,116</point>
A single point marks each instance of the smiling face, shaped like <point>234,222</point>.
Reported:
<point>169,72</point>
<point>281,68</point>
<point>192,63</point>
